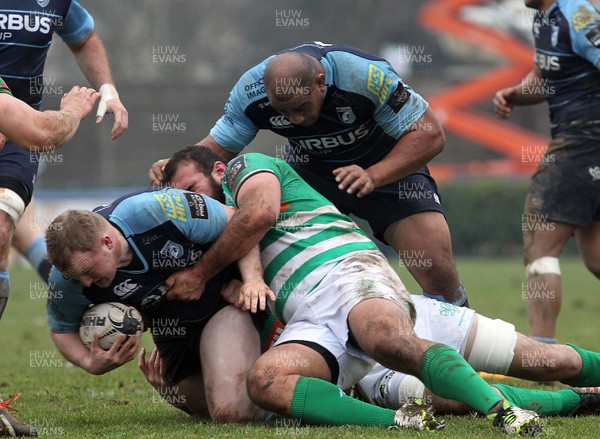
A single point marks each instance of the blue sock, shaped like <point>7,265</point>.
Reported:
<point>36,252</point>
<point>37,256</point>
<point>548,340</point>
<point>460,301</point>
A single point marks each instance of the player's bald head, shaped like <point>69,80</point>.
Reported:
<point>287,74</point>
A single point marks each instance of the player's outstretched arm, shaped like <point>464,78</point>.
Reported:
<point>95,360</point>
<point>93,62</point>
<point>42,131</point>
<point>528,92</point>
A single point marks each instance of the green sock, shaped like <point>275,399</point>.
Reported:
<point>447,374</point>
<point>318,402</point>
<point>544,402</point>
<point>590,369</point>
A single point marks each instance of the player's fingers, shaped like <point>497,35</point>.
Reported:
<point>155,359</point>
<point>255,300</point>
<point>142,360</point>
<point>350,179</point>
<point>367,188</point>
<point>95,342</point>
<point>121,122</point>
<point>116,346</point>
<point>358,184</point>
<point>101,111</point>
<point>341,173</point>
<point>272,295</point>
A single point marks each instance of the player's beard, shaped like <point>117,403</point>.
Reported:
<point>217,190</point>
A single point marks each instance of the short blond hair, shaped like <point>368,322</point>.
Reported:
<point>71,231</point>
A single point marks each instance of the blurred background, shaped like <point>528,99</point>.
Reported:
<point>175,62</point>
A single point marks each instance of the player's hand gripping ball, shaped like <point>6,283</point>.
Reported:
<point>109,320</point>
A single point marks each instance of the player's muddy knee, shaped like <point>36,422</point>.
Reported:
<point>234,412</point>
<point>260,381</point>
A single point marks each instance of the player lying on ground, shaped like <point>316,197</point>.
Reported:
<point>342,303</point>
<point>492,346</point>
<point>123,253</point>
<point>489,346</point>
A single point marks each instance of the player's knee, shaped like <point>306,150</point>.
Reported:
<point>259,382</point>
<point>593,265</point>
<point>385,338</point>
<point>233,412</point>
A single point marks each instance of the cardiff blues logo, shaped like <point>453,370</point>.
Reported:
<point>43,3</point>
<point>172,250</point>
<point>595,173</point>
<point>346,114</point>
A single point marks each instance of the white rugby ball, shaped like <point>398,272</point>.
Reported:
<point>109,320</point>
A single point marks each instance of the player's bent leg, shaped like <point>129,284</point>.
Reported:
<point>543,242</point>
<point>544,362</point>
<point>387,336</point>
<point>29,240</point>
<point>293,379</point>
<point>6,232</point>
<point>229,346</point>
<point>391,389</point>
<point>188,395</point>
<point>273,377</point>
<point>429,260</point>
<point>588,241</point>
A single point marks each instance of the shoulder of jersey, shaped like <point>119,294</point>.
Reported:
<point>250,86</point>
<point>356,74</point>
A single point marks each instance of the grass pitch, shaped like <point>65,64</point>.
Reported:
<point>63,401</point>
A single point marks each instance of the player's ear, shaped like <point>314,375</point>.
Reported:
<point>320,81</point>
<point>219,170</point>
<point>107,241</point>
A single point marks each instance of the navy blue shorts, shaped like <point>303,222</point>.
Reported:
<point>179,346</point>
<point>176,328</point>
<point>18,170</point>
<point>385,205</point>
<point>565,187</point>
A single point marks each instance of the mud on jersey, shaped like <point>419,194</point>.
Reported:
<point>567,52</point>
<point>167,230</point>
<point>366,109</point>
<point>309,237</point>
<point>26,30</point>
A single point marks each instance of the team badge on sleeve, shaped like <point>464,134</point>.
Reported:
<point>398,98</point>
<point>593,36</point>
<point>236,166</point>
<point>197,205</point>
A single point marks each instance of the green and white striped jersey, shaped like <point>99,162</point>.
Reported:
<point>309,238</point>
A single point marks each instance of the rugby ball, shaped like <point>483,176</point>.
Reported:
<point>109,320</point>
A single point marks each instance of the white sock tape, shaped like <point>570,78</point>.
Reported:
<point>544,265</point>
<point>12,204</point>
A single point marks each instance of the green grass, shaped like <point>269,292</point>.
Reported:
<point>65,402</point>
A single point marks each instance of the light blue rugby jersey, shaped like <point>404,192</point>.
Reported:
<point>168,230</point>
<point>366,109</point>
<point>26,30</point>
<point>567,52</point>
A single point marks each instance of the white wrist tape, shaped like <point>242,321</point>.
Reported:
<point>108,92</point>
<point>544,265</point>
